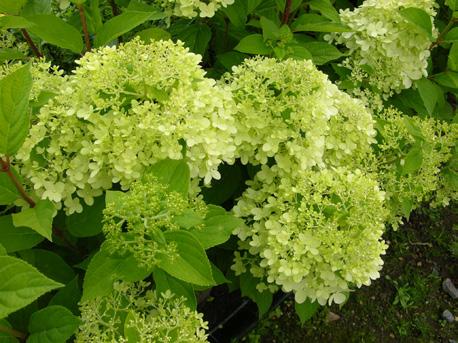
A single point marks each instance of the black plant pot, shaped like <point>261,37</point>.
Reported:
<point>230,316</point>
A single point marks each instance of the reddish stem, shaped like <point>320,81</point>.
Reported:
<point>85,30</point>
<point>31,44</point>
<point>286,12</point>
<point>6,168</point>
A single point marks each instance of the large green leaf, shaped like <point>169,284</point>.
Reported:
<point>322,52</point>
<point>104,269</point>
<point>14,22</point>
<point>14,114</point>
<point>191,263</point>
<point>68,296</point>
<point>429,93</point>
<point>38,218</point>
<point>419,18</point>
<point>53,324</point>
<point>217,227</point>
<point>173,173</point>
<point>306,310</point>
<point>452,63</point>
<point>49,263</point>
<point>452,35</point>
<point>11,6</point>
<point>447,79</point>
<point>196,36</point>
<point>20,284</point>
<point>8,192</point>
<point>326,9</point>
<point>121,24</point>
<point>413,160</point>
<point>248,288</point>
<point>253,44</point>
<point>165,282</point>
<point>17,238</point>
<point>55,31</point>
<point>317,23</point>
<point>6,337</point>
<point>89,222</point>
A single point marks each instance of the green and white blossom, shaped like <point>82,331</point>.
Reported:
<point>123,109</point>
<point>316,233</point>
<point>290,112</point>
<point>133,312</point>
<point>409,158</point>
<point>386,50</point>
<point>193,8</point>
<point>135,223</point>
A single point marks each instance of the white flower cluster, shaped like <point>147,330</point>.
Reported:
<point>192,8</point>
<point>313,232</point>
<point>313,227</point>
<point>144,315</point>
<point>123,109</point>
<point>386,50</point>
<point>290,112</point>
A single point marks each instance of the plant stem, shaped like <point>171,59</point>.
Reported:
<point>286,12</point>
<point>32,45</point>
<point>18,334</point>
<point>441,36</point>
<point>6,167</point>
<point>84,24</point>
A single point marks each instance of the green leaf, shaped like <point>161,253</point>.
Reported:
<point>2,250</point>
<point>11,6</point>
<point>325,8</point>
<point>217,227</point>
<point>299,52</point>
<point>231,175</point>
<point>131,333</point>
<point>20,284</point>
<point>121,24</point>
<point>38,218</point>
<point>8,192</point>
<point>406,205</point>
<point>270,30</point>
<point>14,113</point>
<point>451,36</point>
<point>237,13</point>
<point>104,269</point>
<point>53,324</point>
<point>228,60</point>
<point>419,18</point>
<point>413,128</point>
<point>453,4</point>
<point>89,222</point>
<point>5,337</point>
<point>306,310</point>
<point>195,36</point>
<point>11,54</point>
<point>14,22</point>
<point>191,264</point>
<point>57,32</point>
<point>322,52</point>
<point>429,93</point>
<point>68,296</point>
<point>447,79</point>
<point>413,160</point>
<point>49,263</point>
<point>452,62</point>
<point>253,44</point>
<point>317,23</point>
<point>153,34</point>
<point>173,173</point>
<point>165,282</point>
<point>248,288</point>
<point>33,7</point>
<point>17,238</point>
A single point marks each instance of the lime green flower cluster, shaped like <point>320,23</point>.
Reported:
<point>315,233</point>
<point>192,8</point>
<point>133,313</point>
<point>136,221</point>
<point>290,112</point>
<point>47,79</point>
<point>125,108</point>
<point>409,159</point>
<point>386,50</point>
